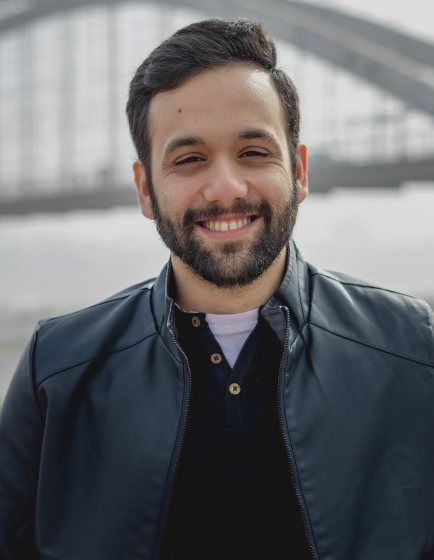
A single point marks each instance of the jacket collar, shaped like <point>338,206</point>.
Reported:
<point>292,293</point>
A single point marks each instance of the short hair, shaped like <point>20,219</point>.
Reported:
<point>202,46</point>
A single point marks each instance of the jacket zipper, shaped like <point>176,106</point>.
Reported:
<point>180,442</point>
<point>291,458</point>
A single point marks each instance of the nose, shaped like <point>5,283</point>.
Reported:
<point>225,184</point>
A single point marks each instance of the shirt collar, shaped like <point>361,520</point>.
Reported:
<point>292,293</point>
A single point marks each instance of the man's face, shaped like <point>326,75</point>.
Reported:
<point>221,192</point>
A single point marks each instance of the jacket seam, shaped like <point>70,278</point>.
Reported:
<point>167,349</point>
<point>31,373</point>
<point>375,347</point>
<point>288,431</point>
<point>428,316</point>
<point>111,300</point>
<point>301,299</point>
<point>96,356</point>
<point>31,358</point>
<point>301,487</point>
<point>360,285</point>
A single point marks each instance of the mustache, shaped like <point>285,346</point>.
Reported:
<point>193,215</point>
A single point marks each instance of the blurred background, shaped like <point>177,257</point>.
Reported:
<point>71,232</point>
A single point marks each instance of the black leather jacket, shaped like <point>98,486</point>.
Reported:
<point>92,426</point>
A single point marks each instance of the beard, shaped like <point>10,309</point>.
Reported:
<point>234,263</point>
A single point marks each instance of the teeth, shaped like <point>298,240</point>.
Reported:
<point>220,225</point>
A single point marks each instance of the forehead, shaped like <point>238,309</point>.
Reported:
<point>217,103</point>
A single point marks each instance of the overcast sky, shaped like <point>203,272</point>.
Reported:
<point>415,16</point>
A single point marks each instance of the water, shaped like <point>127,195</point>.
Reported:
<point>51,264</point>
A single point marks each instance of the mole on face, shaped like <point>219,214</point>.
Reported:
<point>179,110</point>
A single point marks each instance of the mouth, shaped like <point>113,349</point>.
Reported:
<point>227,223</point>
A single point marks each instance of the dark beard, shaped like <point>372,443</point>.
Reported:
<point>233,266</point>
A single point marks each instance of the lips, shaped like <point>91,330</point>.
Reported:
<point>228,224</point>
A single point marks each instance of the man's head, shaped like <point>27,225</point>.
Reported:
<point>216,127</point>
<point>198,47</point>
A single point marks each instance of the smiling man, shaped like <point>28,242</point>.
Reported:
<point>220,184</point>
<point>243,405</point>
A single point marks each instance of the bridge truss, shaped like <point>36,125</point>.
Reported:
<point>65,66</point>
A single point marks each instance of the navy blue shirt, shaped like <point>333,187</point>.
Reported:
<point>233,496</point>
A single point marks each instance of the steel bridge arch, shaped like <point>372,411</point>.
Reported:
<point>391,60</point>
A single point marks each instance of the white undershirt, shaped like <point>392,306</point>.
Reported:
<point>231,331</point>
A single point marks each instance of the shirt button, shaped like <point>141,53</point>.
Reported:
<point>234,389</point>
<point>216,358</point>
<point>195,321</point>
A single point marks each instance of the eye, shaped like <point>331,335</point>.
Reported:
<point>189,159</point>
<point>254,153</point>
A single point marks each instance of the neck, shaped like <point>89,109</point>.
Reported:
<point>195,294</point>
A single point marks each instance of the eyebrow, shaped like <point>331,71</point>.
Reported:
<point>257,133</point>
<point>182,142</point>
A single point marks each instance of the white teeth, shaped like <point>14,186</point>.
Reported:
<point>219,225</point>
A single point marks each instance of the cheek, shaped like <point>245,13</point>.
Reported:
<point>180,195</point>
<point>275,187</point>
<point>173,204</point>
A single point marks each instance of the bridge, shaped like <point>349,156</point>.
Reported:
<point>61,148</point>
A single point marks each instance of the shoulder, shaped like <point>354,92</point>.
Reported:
<point>368,314</point>
<point>116,323</point>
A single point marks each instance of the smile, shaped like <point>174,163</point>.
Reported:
<point>230,224</point>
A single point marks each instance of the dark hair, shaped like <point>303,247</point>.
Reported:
<point>198,47</point>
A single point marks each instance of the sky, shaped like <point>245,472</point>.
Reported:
<point>415,16</point>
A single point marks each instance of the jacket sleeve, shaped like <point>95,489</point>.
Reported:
<point>21,430</point>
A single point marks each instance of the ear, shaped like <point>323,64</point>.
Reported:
<point>301,173</point>
<point>142,186</point>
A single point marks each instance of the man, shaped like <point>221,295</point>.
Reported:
<point>244,404</point>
